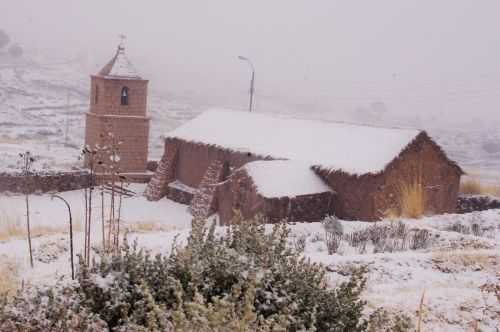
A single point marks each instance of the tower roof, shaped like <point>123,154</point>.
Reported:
<point>119,67</point>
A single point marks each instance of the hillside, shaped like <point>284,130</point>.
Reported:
<point>42,107</point>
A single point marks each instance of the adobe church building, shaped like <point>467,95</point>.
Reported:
<point>226,161</point>
<point>117,115</point>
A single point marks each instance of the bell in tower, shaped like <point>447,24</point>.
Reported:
<point>117,121</point>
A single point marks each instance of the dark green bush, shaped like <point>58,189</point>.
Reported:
<point>245,279</point>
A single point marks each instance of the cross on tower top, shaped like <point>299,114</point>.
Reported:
<point>122,37</point>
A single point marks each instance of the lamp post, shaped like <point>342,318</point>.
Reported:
<point>252,80</point>
<point>70,233</point>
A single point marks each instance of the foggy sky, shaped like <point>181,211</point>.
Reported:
<point>439,57</point>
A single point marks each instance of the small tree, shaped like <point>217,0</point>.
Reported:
<point>4,39</point>
<point>16,51</point>
<point>26,163</point>
<point>90,155</point>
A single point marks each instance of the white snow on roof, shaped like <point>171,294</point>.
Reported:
<point>279,178</point>
<point>120,67</point>
<point>351,148</point>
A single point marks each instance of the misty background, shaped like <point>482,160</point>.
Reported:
<point>424,64</point>
<point>435,59</point>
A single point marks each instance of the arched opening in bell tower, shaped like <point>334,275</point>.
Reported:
<point>124,96</point>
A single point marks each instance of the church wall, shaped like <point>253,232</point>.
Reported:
<point>109,96</point>
<point>238,194</point>
<point>194,159</point>
<point>132,132</point>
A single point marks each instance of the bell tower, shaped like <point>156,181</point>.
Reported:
<point>117,115</point>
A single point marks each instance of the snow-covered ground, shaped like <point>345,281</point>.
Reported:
<point>40,102</point>
<point>451,268</point>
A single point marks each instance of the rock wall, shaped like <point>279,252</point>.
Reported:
<point>467,204</point>
<point>42,183</point>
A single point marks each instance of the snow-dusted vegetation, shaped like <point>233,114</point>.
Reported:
<point>449,262</point>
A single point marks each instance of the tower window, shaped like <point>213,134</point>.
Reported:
<point>124,97</point>
<point>96,94</point>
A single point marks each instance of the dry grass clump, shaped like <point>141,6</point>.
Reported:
<point>472,186</point>
<point>9,274</point>
<point>462,260</point>
<point>410,201</point>
<point>14,228</point>
<point>148,227</point>
<point>5,139</point>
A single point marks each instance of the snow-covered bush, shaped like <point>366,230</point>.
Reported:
<point>383,320</point>
<point>57,310</point>
<point>246,279</point>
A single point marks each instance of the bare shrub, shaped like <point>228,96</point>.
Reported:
<point>317,238</point>
<point>388,238</point>
<point>358,240</point>
<point>299,243</point>
<point>458,227</point>
<point>477,230</point>
<point>419,239</point>
<point>333,234</point>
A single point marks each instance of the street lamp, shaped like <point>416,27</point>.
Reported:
<point>252,81</point>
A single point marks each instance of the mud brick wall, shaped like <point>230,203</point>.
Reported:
<point>42,183</point>
<point>133,132</point>
<point>105,96</point>
<point>424,162</point>
<point>194,159</point>
<point>369,197</point>
<point>128,123</point>
<point>239,193</point>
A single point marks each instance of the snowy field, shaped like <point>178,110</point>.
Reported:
<point>450,268</point>
<point>42,107</point>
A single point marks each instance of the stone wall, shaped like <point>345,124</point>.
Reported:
<point>179,196</point>
<point>53,182</point>
<point>467,204</point>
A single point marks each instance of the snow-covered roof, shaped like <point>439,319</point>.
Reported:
<point>354,149</point>
<point>280,178</point>
<point>119,67</point>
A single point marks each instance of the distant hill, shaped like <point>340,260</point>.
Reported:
<point>35,111</point>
